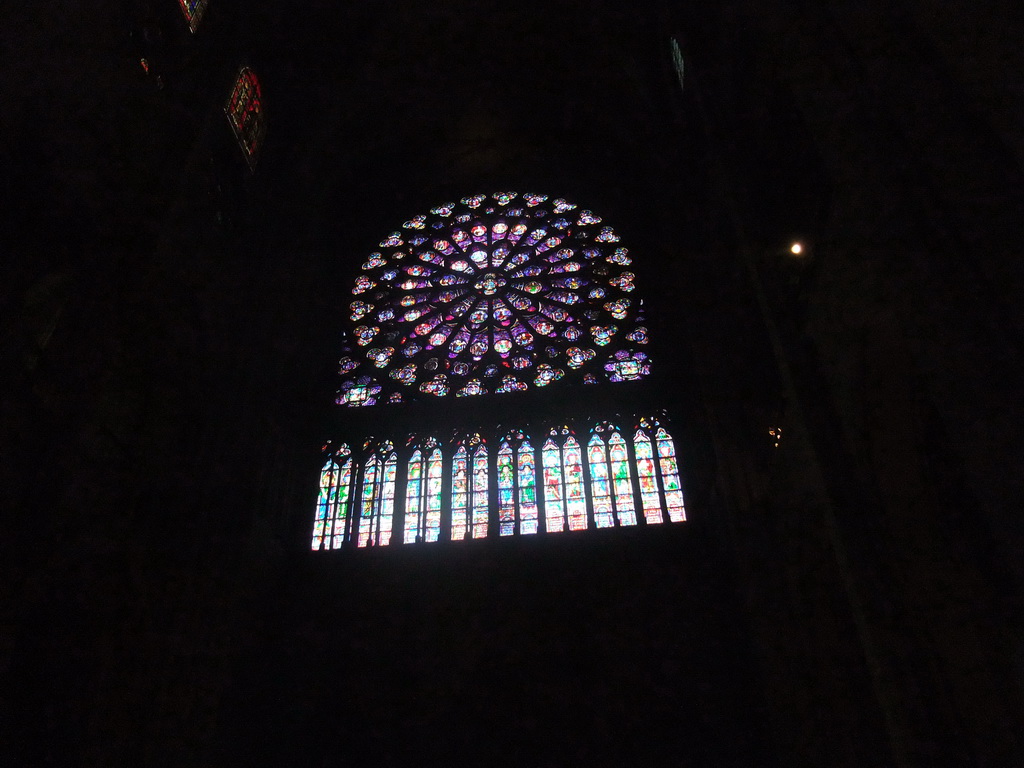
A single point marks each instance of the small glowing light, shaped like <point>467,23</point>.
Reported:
<point>796,249</point>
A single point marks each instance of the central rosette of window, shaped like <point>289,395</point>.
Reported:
<point>490,283</point>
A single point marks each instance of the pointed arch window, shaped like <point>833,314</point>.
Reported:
<point>193,10</point>
<point>246,116</point>
<point>659,480</point>
<point>565,503</point>
<point>332,508</point>
<point>423,494</point>
<point>517,486</point>
<point>377,509</point>
<point>469,490</point>
<point>670,477</point>
<point>611,478</point>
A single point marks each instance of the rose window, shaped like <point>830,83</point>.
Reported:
<point>495,294</point>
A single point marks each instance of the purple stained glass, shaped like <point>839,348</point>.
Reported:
<point>622,480</point>
<point>488,280</point>
<point>506,492</point>
<point>460,493</point>
<point>332,511</point>
<point>528,516</point>
<point>597,461</point>
<point>554,505</point>
<point>575,498</point>
<point>480,506</point>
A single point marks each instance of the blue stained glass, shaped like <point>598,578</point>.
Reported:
<point>554,508</point>
<point>413,498</point>
<point>506,492</point>
<point>460,493</point>
<point>598,463</point>
<point>528,517</point>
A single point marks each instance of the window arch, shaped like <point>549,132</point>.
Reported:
<point>610,477</point>
<point>377,507</point>
<point>245,113</point>
<point>659,479</point>
<point>193,10</point>
<point>517,486</point>
<point>497,293</point>
<point>565,504</point>
<point>332,508</point>
<point>470,503</point>
<point>423,493</point>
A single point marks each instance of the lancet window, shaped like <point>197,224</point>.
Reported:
<point>193,10</point>
<point>554,483</point>
<point>470,479</point>
<point>423,494</point>
<point>330,527</point>
<point>611,478</point>
<point>245,113</point>
<point>377,502</point>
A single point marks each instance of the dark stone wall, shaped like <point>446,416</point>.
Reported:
<point>170,325</point>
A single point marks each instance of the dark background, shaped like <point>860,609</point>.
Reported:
<point>171,323</point>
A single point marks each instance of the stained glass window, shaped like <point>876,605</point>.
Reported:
<point>423,494</point>
<point>506,491</point>
<point>670,477</point>
<point>528,515</point>
<point>622,480</point>
<point>648,481</point>
<point>610,477</point>
<point>193,10</point>
<point>245,114</point>
<point>565,504</point>
<point>460,493</point>
<point>494,294</point>
<point>469,490</point>
<point>332,505</point>
<point>377,502</point>
<point>517,486</point>
<point>582,483</point>
<point>554,488</point>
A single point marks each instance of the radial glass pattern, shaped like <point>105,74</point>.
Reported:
<point>494,294</point>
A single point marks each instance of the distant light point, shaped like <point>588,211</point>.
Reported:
<point>796,249</point>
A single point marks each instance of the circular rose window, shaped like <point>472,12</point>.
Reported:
<point>497,293</point>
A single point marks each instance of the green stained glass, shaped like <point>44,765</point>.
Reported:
<point>433,496</point>
<point>648,483</point>
<point>575,496</point>
<point>378,498</point>
<point>479,514</point>
<point>506,492</point>
<point>332,502</point>
<point>414,499</point>
<point>670,477</point>
<point>622,480</point>
<point>366,512</point>
<point>554,509</point>
<point>598,462</point>
<point>460,490</point>
<point>527,489</point>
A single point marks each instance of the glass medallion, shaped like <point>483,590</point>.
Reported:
<point>477,282</point>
